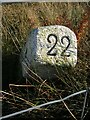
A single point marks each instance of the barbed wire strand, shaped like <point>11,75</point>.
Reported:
<point>42,105</point>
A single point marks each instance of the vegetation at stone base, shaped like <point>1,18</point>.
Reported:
<point>17,20</point>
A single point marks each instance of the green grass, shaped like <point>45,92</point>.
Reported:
<point>17,21</point>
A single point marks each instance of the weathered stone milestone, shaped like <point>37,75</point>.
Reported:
<point>48,47</point>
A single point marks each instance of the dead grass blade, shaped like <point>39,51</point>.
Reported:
<point>27,102</point>
<point>68,109</point>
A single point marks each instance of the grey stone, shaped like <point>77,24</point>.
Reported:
<point>38,51</point>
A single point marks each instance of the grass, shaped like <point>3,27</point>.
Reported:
<point>18,19</point>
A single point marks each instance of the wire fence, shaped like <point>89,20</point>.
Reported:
<point>49,103</point>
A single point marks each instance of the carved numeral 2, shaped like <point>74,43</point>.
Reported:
<point>55,53</point>
<point>49,52</point>
<point>63,52</point>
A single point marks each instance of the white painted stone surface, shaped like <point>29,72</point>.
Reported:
<point>39,43</point>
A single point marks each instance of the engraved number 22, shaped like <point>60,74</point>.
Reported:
<point>55,53</point>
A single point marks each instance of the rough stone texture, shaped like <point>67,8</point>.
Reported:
<point>34,53</point>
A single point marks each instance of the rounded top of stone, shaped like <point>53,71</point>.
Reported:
<point>65,28</point>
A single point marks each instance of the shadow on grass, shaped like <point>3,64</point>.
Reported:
<point>10,69</point>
